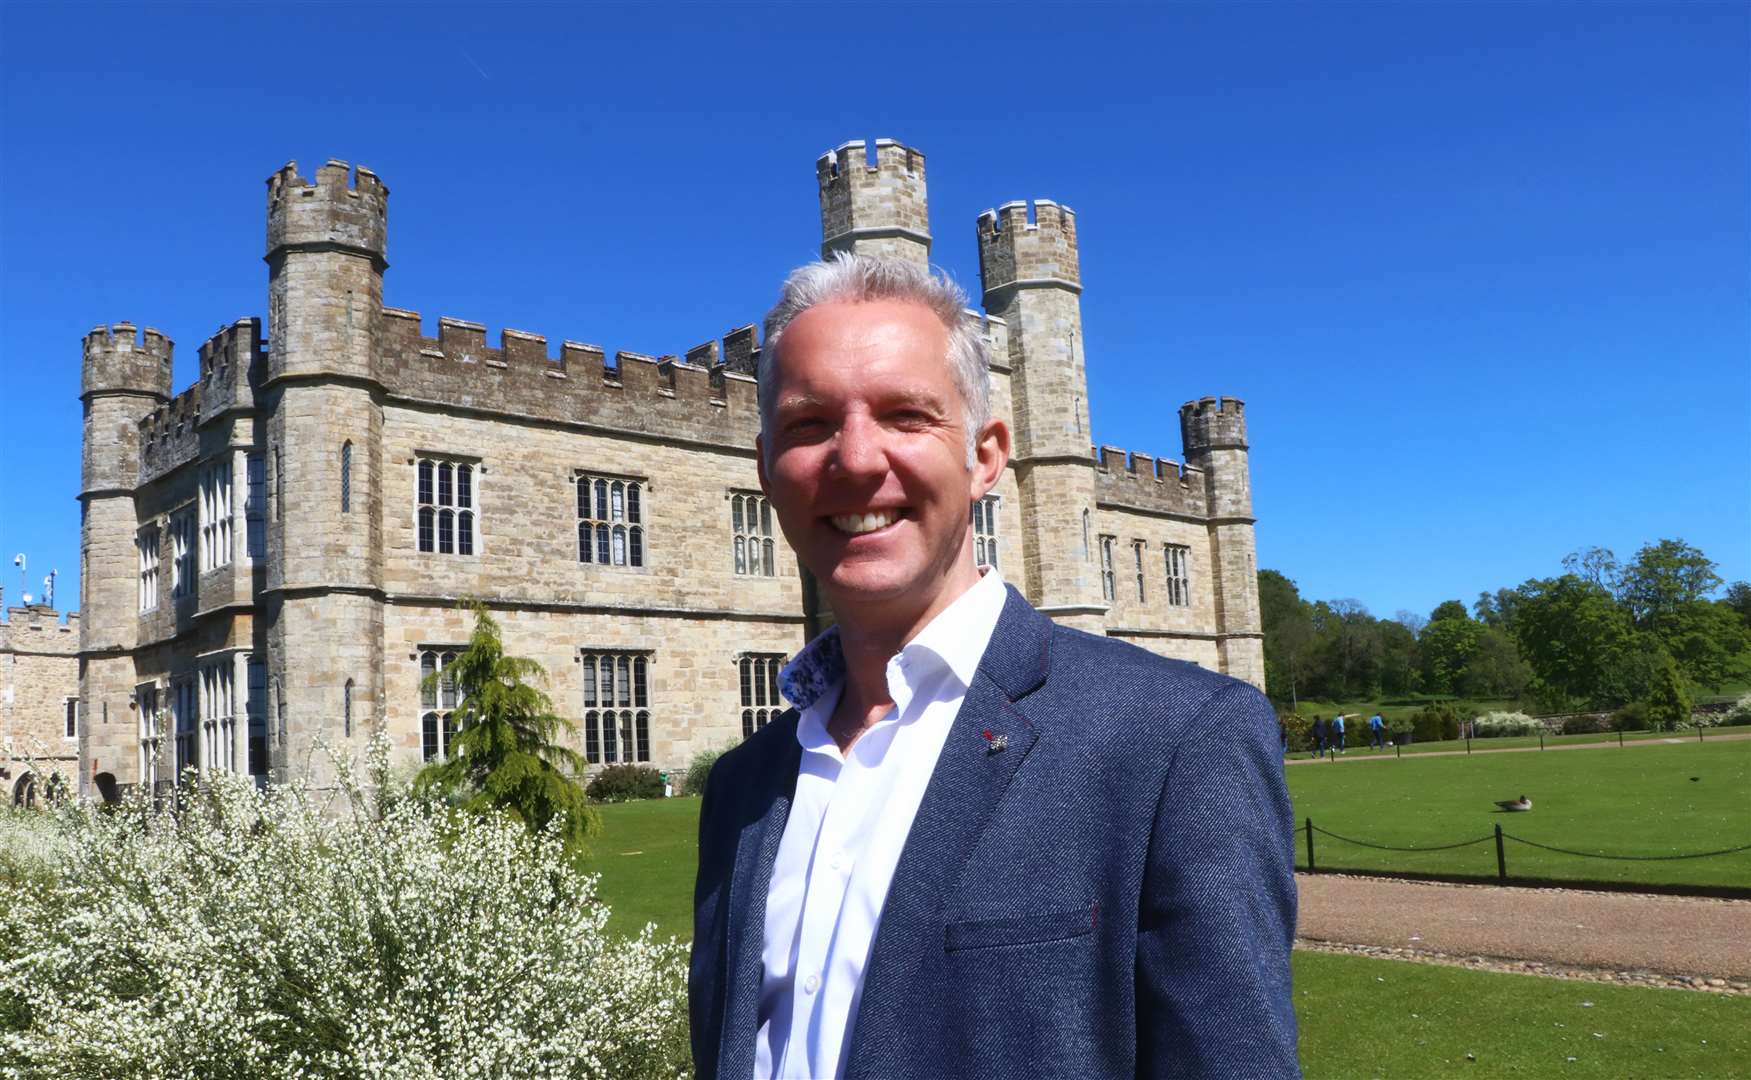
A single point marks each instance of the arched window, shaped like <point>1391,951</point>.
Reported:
<point>610,521</point>
<point>346,707</point>
<point>447,515</point>
<point>616,703</point>
<point>760,701</point>
<point>439,697</point>
<point>985,531</point>
<point>346,477</point>
<point>751,530</point>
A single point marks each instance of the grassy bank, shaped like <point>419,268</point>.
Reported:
<point>1653,801</point>
<point>1366,1017</point>
<point>646,856</point>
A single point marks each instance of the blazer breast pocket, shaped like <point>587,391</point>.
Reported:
<point>1018,929</point>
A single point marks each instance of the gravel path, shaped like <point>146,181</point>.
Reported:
<point>1619,937</point>
<point>1365,754</point>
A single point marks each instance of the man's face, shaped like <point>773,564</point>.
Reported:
<point>864,458</point>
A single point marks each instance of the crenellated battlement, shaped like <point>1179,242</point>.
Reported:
<point>230,349</point>
<point>39,628</point>
<point>120,358</point>
<point>170,434</point>
<point>1213,424</point>
<point>1014,250</point>
<point>874,208</point>
<point>702,393</point>
<point>1141,482</point>
<point>342,209</point>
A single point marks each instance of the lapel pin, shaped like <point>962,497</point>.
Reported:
<point>994,743</point>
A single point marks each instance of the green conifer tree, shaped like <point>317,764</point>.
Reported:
<point>1668,700</point>
<point>504,755</point>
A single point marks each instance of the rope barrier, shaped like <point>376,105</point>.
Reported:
<point>1388,847</point>
<point>1629,858</point>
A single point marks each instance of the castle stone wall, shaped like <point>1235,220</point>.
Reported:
<point>340,594</point>
<point>39,672</point>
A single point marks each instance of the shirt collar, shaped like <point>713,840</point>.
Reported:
<point>957,636</point>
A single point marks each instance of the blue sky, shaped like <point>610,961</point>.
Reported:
<point>1480,271</point>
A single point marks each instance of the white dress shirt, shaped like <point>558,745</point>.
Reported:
<point>848,821</point>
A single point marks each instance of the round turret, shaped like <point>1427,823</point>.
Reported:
<point>1212,424</point>
<point>329,214</point>
<point>121,360</point>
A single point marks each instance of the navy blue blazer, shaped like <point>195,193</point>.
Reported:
<point>1110,895</point>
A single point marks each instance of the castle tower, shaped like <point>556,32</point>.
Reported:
<point>1213,434</point>
<point>1033,280</point>
<point>875,209</point>
<point>125,376</point>
<point>326,245</point>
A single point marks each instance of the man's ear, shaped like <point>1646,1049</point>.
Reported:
<point>760,463</point>
<point>990,457</point>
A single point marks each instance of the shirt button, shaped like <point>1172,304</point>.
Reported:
<point>811,984</point>
<point>838,860</point>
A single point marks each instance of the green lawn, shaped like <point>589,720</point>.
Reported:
<point>646,855</point>
<point>1632,802</point>
<point>1359,1017</point>
<point>1635,802</point>
<point>1364,1017</point>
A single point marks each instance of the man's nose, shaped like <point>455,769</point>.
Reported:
<point>857,449</point>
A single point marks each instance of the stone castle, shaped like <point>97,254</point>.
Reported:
<point>276,554</point>
<point>39,701</point>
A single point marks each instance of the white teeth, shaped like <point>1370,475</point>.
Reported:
<point>862,523</point>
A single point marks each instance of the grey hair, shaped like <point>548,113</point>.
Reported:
<point>848,278</point>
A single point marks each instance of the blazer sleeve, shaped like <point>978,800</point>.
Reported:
<point>707,961</point>
<point>1217,915</point>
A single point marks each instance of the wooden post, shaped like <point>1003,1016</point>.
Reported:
<point>1501,856</point>
<point>1310,866</point>
<point>1541,738</point>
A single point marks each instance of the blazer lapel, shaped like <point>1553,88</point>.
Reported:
<point>765,813</point>
<point>986,745</point>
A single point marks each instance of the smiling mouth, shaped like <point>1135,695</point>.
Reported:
<point>858,524</point>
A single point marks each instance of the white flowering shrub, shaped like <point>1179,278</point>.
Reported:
<point>1740,712</point>
<point>279,933</point>
<point>1496,724</point>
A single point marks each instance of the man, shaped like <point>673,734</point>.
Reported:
<point>1318,737</point>
<point>980,844</point>
<point>1378,727</point>
<point>1337,733</point>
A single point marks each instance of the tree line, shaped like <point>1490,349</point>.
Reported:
<point>1601,634</point>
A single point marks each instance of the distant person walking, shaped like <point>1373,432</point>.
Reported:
<point>1377,727</point>
<point>1337,733</point>
<point>1318,737</point>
